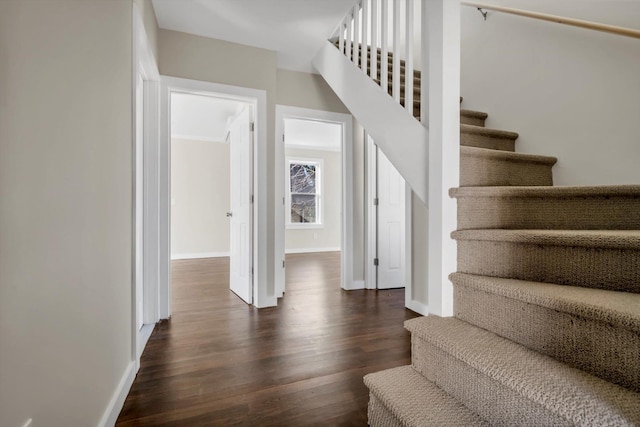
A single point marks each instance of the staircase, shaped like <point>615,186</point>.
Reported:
<point>546,300</point>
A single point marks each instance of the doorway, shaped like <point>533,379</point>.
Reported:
<point>248,106</point>
<point>211,171</point>
<point>314,203</point>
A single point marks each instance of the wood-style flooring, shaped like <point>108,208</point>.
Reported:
<point>220,362</point>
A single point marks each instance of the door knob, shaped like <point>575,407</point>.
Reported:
<point>229,214</point>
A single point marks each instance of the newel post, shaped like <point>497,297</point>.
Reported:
<point>443,43</point>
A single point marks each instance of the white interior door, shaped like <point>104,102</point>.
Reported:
<point>240,139</point>
<point>391,225</point>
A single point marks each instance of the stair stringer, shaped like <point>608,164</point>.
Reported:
<point>397,133</point>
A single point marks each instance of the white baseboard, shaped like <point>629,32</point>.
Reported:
<point>418,307</point>
<point>310,250</point>
<point>200,255</point>
<point>110,416</point>
<point>354,285</point>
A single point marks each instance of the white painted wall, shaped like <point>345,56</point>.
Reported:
<point>199,199</point>
<point>569,92</point>
<point>327,237</point>
<point>66,215</point>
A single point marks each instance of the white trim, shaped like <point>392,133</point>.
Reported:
<point>200,255</point>
<point>418,307</point>
<point>144,333</point>
<point>357,284</point>
<point>198,138</point>
<point>110,415</point>
<point>346,257</point>
<point>312,147</point>
<point>408,250</point>
<point>370,273</point>
<point>257,97</point>
<point>311,250</point>
<point>143,66</point>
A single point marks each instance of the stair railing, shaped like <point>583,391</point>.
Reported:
<point>378,36</point>
<point>380,39</point>
<point>605,28</point>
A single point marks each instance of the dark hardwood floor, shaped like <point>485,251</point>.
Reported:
<point>219,362</point>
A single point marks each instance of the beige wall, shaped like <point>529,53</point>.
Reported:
<point>306,90</point>
<point>65,195</point>
<point>199,198</point>
<point>327,237</point>
<point>569,92</point>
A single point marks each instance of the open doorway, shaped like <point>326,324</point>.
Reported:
<point>314,200</point>
<point>226,127</point>
<point>313,197</point>
<point>211,170</point>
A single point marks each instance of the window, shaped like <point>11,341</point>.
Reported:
<point>304,193</point>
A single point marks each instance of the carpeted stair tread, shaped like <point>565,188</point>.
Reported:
<point>486,167</point>
<point>620,309</point>
<point>548,192</point>
<point>415,401</point>
<point>561,393</point>
<point>600,239</point>
<point>570,208</point>
<point>482,137</point>
<point>595,330</point>
<point>472,117</point>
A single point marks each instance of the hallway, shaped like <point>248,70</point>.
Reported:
<point>220,362</point>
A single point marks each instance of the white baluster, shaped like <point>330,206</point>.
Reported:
<point>424,64</point>
<point>374,39</point>
<point>408,65</point>
<point>356,32</point>
<point>395,84</point>
<point>341,37</point>
<point>384,56</point>
<point>365,35</point>
<point>348,41</point>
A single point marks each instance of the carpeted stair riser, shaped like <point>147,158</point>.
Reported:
<point>482,167</point>
<point>380,415</point>
<point>402,397</point>
<point>519,254</point>
<point>560,208</point>
<point>509,385</point>
<point>563,322</point>
<point>480,137</point>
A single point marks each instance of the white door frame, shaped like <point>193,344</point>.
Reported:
<point>258,98</point>
<point>372,232</point>
<point>346,252</point>
<point>144,65</point>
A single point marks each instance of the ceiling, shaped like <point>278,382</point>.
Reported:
<point>201,118</point>
<point>312,135</point>
<point>294,29</point>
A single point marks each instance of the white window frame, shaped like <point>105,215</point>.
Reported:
<point>319,163</point>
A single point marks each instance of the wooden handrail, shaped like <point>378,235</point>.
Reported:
<point>612,29</point>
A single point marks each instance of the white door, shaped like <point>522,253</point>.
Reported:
<point>391,225</point>
<point>240,140</point>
